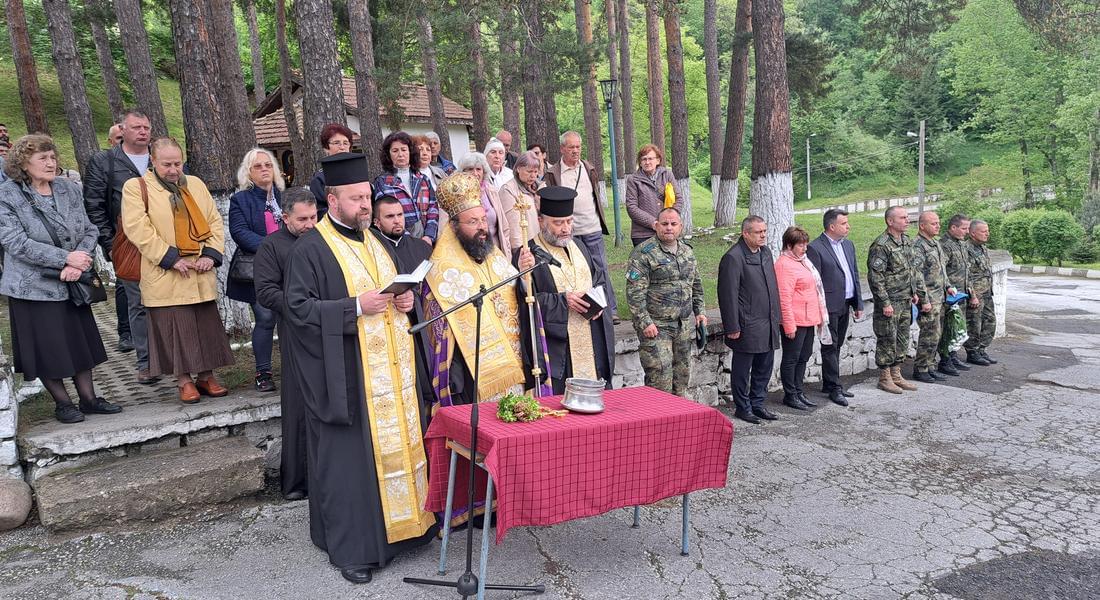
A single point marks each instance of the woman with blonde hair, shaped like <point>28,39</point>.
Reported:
<point>172,220</point>
<point>255,213</point>
<point>475,164</point>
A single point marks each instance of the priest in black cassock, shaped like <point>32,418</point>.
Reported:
<point>579,347</point>
<point>367,464</point>
<point>299,216</point>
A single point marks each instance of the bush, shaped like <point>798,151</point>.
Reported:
<point>1085,252</point>
<point>1089,213</point>
<point>942,147</point>
<point>851,152</point>
<point>1016,232</point>
<point>1055,234</point>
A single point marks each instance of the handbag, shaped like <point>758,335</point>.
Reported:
<point>86,290</point>
<point>124,254</point>
<point>240,266</point>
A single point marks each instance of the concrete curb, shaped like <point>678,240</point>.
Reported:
<point>1061,271</point>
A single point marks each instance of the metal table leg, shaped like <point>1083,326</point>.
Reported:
<point>637,517</point>
<point>684,531</point>
<point>486,532</point>
<point>447,513</point>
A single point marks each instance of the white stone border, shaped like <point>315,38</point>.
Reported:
<point>1060,271</point>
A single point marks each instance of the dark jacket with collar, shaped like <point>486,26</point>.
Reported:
<point>248,228</point>
<point>104,176</point>
<point>748,297</point>
<point>820,252</point>
<point>553,177</point>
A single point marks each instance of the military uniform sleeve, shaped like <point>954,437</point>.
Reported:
<point>637,289</point>
<point>877,263</point>
<point>921,266</point>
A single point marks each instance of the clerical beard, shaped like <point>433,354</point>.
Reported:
<point>553,240</point>
<point>477,247</point>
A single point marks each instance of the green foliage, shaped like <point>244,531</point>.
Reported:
<point>995,217</point>
<point>1089,213</point>
<point>1016,233</point>
<point>1055,234</point>
<point>1086,252</point>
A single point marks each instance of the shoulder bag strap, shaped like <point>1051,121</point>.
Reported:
<point>144,192</point>
<point>42,217</point>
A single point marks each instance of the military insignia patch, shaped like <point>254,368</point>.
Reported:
<point>633,275</point>
<point>878,264</point>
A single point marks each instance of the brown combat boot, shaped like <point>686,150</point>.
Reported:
<point>900,381</point>
<point>886,382</point>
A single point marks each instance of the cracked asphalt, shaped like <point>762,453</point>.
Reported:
<point>985,487</point>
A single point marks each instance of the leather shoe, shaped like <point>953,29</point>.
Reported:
<point>846,393</point>
<point>935,375</point>
<point>792,401</point>
<point>923,376</point>
<point>764,413</point>
<point>125,345</point>
<point>360,575</point>
<point>294,496</point>
<point>837,397</point>
<point>975,358</point>
<point>748,417</point>
<point>988,358</point>
<point>189,394</point>
<point>958,364</point>
<point>99,406</point>
<point>947,368</point>
<point>144,378</point>
<point>211,388</point>
<point>803,399</point>
<point>68,414</point>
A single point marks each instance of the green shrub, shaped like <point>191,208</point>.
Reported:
<point>1016,232</point>
<point>1089,213</point>
<point>1055,234</point>
<point>1085,252</point>
<point>942,147</point>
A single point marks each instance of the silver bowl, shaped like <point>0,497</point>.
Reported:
<point>583,395</point>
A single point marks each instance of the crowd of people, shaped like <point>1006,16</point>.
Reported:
<point>316,264</point>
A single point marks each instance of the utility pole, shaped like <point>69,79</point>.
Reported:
<point>808,195</point>
<point>920,166</point>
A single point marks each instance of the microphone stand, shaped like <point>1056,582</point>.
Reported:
<point>467,583</point>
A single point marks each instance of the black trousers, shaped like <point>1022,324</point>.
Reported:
<point>796,353</point>
<point>749,375</point>
<point>122,312</point>
<point>830,355</point>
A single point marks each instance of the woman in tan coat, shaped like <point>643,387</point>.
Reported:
<point>525,184</point>
<point>181,237</point>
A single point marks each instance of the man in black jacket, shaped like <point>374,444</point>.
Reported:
<point>104,176</point>
<point>834,256</point>
<point>299,216</point>
<point>749,300</point>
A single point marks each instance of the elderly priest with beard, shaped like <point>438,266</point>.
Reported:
<point>580,336</point>
<point>465,259</point>
<point>367,465</point>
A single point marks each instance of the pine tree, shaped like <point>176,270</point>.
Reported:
<point>70,76</point>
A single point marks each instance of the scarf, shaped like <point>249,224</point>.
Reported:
<point>188,222</point>
<point>272,205</point>
<point>822,329</point>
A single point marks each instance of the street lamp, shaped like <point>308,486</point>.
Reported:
<point>607,86</point>
<point>808,164</point>
<point>920,166</point>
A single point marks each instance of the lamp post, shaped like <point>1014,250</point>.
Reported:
<point>920,166</point>
<point>607,86</point>
<point>808,164</point>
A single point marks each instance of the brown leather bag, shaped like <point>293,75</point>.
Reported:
<point>124,255</point>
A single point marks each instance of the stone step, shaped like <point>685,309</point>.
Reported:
<point>142,428</point>
<point>150,486</point>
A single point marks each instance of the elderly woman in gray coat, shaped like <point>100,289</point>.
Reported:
<point>52,338</point>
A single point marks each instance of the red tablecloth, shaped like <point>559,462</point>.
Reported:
<point>645,446</point>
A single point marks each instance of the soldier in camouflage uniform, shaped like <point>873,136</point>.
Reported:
<point>955,252</point>
<point>894,287</point>
<point>981,320</point>
<point>665,295</point>
<point>930,262</point>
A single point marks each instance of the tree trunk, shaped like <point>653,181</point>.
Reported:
<point>70,76</point>
<point>714,94</point>
<point>26,72</point>
<point>479,92</point>
<point>143,79</point>
<point>431,80</point>
<point>536,84</point>
<point>97,15</point>
<point>366,83</point>
<point>656,89</point>
<point>297,145</point>
<point>323,84</point>
<point>206,121</point>
<point>771,195</point>
<point>1029,194</point>
<point>677,102</point>
<point>240,133</point>
<point>590,102</point>
<point>1094,157</point>
<point>259,90</point>
<point>511,81</point>
<point>725,212</point>
<point>610,7</point>
<point>626,87</point>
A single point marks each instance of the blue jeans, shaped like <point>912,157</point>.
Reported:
<point>263,336</point>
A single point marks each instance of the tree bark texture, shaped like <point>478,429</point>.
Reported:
<point>323,83</point>
<point>431,80</point>
<point>726,209</point>
<point>771,195</point>
<point>593,137</point>
<point>511,82</point>
<point>610,8</point>
<point>96,14</point>
<point>714,92</point>
<point>139,62</point>
<point>240,133</point>
<point>366,83</point>
<point>656,89</point>
<point>538,98</point>
<point>626,88</point>
<point>479,91</point>
<point>259,90</point>
<point>677,104</point>
<point>1094,157</point>
<point>297,145</point>
<point>1029,193</point>
<point>26,72</point>
<point>70,76</point>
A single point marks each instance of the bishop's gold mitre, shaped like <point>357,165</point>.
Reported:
<point>459,192</point>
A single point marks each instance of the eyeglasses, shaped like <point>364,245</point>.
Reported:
<point>263,166</point>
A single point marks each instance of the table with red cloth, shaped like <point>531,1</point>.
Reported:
<point>645,446</point>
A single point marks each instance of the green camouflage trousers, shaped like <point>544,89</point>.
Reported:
<point>892,333</point>
<point>666,359</point>
<point>931,327</point>
<point>981,324</point>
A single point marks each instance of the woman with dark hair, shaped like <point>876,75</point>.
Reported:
<point>802,309</point>
<point>335,138</point>
<point>48,242</point>
<point>402,179</point>
<point>645,193</point>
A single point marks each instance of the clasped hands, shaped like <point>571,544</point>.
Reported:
<point>76,262</point>
<point>374,301</point>
<point>184,266</point>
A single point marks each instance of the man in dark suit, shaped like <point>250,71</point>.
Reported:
<point>834,256</point>
<point>749,299</point>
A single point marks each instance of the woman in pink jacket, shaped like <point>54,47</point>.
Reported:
<point>802,309</point>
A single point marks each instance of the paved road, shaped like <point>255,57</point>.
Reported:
<point>984,488</point>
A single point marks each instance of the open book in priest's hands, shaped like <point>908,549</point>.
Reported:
<point>406,281</point>
<point>597,301</point>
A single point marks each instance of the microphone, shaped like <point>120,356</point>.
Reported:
<point>543,255</point>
